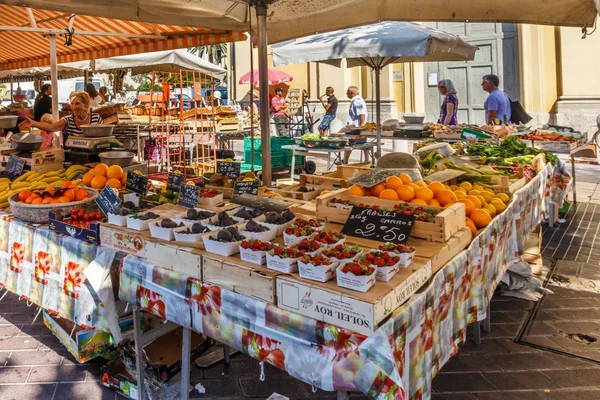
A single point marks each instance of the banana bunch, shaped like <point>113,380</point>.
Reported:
<point>34,180</point>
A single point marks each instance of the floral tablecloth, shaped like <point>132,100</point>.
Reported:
<point>398,361</point>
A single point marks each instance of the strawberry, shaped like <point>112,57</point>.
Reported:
<point>256,245</point>
<point>245,245</point>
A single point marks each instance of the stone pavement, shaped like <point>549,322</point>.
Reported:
<point>34,365</point>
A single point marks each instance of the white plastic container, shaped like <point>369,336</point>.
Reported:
<point>211,201</point>
<point>213,227</point>
<point>347,260</point>
<point>138,224</point>
<point>255,257</point>
<point>181,235</point>
<point>406,258</point>
<point>289,240</point>
<point>286,265</point>
<point>159,232</point>
<point>266,236</point>
<point>220,248</point>
<point>280,228</point>
<point>116,219</point>
<point>350,281</point>
<point>321,273</point>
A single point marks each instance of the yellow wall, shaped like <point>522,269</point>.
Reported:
<point>579,63</point>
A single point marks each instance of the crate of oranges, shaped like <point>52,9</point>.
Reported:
<point>34,205</point>
<point>439,214</point>
<point>102,175</point>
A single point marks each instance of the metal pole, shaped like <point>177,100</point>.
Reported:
<point>185,363</point>
<point>54,78</point>
<point>261,23</point>
<point>12,100</point>
<point>139,359</point>
<point>251,92</point>
<point>378,109</point>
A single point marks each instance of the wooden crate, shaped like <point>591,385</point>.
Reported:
<point>447,222</point>
<point>293,193</point>
<point>338,178</point>
<point>239,276</point>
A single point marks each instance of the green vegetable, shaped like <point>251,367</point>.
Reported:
<point>311,136</point>
<point>509,148</point>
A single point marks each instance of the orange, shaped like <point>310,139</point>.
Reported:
<point>405,178</point>
<point>37,200</point>
<point>419,201</point>
<point>446,196</point>
<point>47,200</point>
<point>24,194</point>
<point>393,182</point>
<point>481,218</point>
<point>50,189</point>
<point>55,201</point>
<point>87,178</point>
<point>434,203</point>
<point>475,201</point>
<point>64,199</point>
<point>436,187</point>
<point>469,206</point>
<point>388,194</point>
<point>124,180</point>
<point>471,225</point>
<point>420,183</point>
<point>70,193</point>
<point>414,186</point>
<point>377,189</point>
<point>30,199</point>
<point>100,169</point>
<point>448,205</point>
<point>98,182</point>
<point>405,192</point>
<point>114,183</point>
<point>356,190</point>
<point>68,184</point>
<point>114,172</point>
<point>81,194</point>
<point>424,193</point>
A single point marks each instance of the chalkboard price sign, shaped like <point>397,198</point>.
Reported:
<point>188,196</point>
<point>14,167</point>
<point>229,169</point>
<point>175,182</point>
<point>108,201</point>
<point>137,183</point>
<point>249,187</point>
<point>378,225</point>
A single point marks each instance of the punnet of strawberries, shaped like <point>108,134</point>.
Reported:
<point>287,252</point>
<point>207,194</point>
<point>317,260</point>
<point>299,231</point>
<point>380,258</point>
<point>307,245</point>
<point>342,251</point>
<point>326,237</point>
<point>256,245</point>
<point>306,222</point>
<point>396,248</point>
<point>358,268</point>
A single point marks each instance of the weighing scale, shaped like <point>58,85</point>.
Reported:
<point>82,149</point>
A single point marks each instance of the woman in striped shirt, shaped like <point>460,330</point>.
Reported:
<point>71,124</point>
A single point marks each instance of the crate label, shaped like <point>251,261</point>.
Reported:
<point>123,241</point>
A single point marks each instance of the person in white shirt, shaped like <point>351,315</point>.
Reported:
<point>358,115</point>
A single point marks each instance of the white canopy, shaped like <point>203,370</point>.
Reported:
<point>288,19</point>
<point>165,61</point>
<point>33,73</point>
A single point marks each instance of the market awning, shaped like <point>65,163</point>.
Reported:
<point>165,61</point>
<point>288,19</point>
<point>41,73</point>
<point>24,31</point>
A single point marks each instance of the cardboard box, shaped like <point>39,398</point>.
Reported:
<point>116,377</point>
<point>360,312</point>
<point>39,158</point>
<point>84,344</point>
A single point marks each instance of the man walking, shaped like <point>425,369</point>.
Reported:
<point>358,115</point>
<point>497,104</point>
<point>280,112</point>
<point>330,110</point>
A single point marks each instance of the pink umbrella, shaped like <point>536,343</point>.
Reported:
<point>275,77</point>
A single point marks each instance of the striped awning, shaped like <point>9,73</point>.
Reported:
<point>24,37</point>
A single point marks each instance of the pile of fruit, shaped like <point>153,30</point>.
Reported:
<point>328,238</point>
<point>82,219</point>
<point>316,260</point>
<point>66,193</point>
<point>102,175</point>
<point>256,245</point>
<point>287,252</point>
<point>358,268</point>
<point>380,258</point>
<point>220,180</point>
<point>165,197</point>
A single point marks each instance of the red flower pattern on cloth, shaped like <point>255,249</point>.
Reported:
<point>42,267</point>
<point>151,302</point>
<point>72,280</point>
<point>17,253</point>
<point>383,387</point>
<point>263,348</point>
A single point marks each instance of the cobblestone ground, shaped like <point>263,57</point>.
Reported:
<point>34,365</point>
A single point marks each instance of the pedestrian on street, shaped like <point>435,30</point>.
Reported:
<point>280,112</point>
<point>450,103</point>
<point>43,102</point>
<point>358,115</point>
<point>330,110</point>
<point>497,104</point>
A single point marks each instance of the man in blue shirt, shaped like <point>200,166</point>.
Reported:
<point>497,105</point>
<point>358,115</point>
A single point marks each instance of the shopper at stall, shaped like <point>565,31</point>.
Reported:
<point>330,110</point>
<point>103,92</point>
<point>95,98</point>
<point>497,104</point>
<point>280,112</point>
<point>43,102</point>
<point>19,97</point>
<point>71,124</point>
<point>358,115</point>
<point>449,104</point>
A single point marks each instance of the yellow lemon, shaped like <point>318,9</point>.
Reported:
<point>487,196</point>
<point>474,192</point>
<point>453,187</point>
<point>466,185</point>
<point>491,209</point>
<point>498,205</point>
<point>504,197</point>
<point>460,194</point>
<point>478,187</point>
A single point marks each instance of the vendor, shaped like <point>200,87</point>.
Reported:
<point>71,124</point>
<point>358,115</point>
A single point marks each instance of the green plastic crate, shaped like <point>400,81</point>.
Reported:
<point>276,143</point>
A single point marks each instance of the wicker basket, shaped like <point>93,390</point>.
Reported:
<point>38,213</point>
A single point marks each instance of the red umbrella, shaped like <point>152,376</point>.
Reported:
<point>275,77</point>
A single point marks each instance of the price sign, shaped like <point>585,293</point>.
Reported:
<point>137,183</point>
<point>14,167</point>
<point>378,225</point>
<point>229,169</point>
<point>188,196</point>
<point>248,187</point>
<point>108,201</point>
<point>175,182</point>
